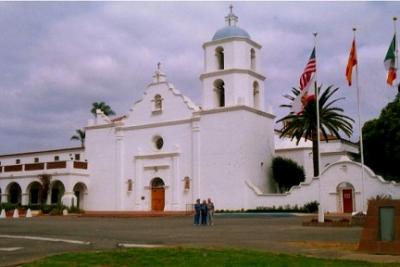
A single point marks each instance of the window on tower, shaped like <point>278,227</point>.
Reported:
<point>219,53</point>
<point>252,59</point>
<point>256,94</point>
<point>219,88</point>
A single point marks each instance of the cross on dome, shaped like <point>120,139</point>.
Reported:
<point>231,19</point>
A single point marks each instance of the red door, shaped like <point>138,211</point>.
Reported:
<point>347,200</point>
<point>157,198</point>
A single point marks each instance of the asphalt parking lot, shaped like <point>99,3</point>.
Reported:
<point>26,239</point>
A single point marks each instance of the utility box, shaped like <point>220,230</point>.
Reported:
<point>381,233</point>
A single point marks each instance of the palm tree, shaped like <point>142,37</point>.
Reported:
<point>304,125</point>
<point>106,109</point>
<point>80,136</point>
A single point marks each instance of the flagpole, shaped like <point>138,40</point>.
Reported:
<point>320,207</point>
<point>360,130</point>
<point>396,52</point>
<point>397,49</point>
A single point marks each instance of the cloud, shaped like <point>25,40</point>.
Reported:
<point>60,57</point>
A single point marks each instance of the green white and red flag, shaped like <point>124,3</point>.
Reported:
<point>390,62</point>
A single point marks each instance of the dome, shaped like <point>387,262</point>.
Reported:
<point>230,31</point>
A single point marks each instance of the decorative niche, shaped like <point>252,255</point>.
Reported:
<point>186,183</point>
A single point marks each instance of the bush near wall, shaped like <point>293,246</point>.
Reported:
<point>51,209</point>
<point>8,206</point>
<point>309,207</point>
<point>287,173</point>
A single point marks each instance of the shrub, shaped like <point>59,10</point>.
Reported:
<point>46,209</point>
<point>56,211</point>
<point>287,173</point>
<point>8,206</point>
<point>33,206</point>
<point>74,209</point>
<point>311,207</point>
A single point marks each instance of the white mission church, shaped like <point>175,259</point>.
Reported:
<point>168,151</point>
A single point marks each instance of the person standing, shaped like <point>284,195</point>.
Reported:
<point>197,210</point>
<point>210,215</point>
<point>204,211</point>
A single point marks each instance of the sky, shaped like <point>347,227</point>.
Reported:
<point>57,58</point>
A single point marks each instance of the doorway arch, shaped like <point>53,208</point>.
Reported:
<point>80,190</point>
<point>35,191</point>
<point>345,192</point>
<point>14,193</point>
<point>157,194</point>
<point>57,192</point>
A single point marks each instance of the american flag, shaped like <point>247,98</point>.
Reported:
<point>306,78</point>
<point>309,70</point>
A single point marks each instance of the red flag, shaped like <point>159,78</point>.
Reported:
<point>352,62</point>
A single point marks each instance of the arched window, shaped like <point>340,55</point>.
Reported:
<point>219,88</point>
<point>157,183</point>
<point>256,94</point>
<point>157,103</point>
<point>219,53</point>
<point>252,59</point>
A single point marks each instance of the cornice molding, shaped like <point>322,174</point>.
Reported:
<point>235,108</point>
<point>231,71</point>
<point>230,39</point>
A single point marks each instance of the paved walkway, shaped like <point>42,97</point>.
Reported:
<point>261,232</point>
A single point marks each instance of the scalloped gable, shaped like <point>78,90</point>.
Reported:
<point>175,106</point>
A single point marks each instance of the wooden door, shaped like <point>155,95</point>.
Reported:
<point>347,200</point>
<point>157,198</point>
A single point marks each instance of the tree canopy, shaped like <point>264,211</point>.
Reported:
<point>304,125</point>
<point>79,136</point>
<point>106,109</point>
<point>382,142</point>
<point>287,173</point>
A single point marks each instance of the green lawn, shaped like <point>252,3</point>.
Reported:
<point>191,257</point>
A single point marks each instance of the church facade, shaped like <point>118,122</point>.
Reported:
<point>168,151</point>
<point>169,148</point>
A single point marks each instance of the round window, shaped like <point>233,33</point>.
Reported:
<point>158,142</point>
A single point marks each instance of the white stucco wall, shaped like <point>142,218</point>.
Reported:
<point>101,153</point>
<point>174,106</point>
<point>302,154</point>
<point>232,152</point>
<point>142,162</point>
<point>342,171</point>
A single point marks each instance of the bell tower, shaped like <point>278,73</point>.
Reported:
<point>232,68</point>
